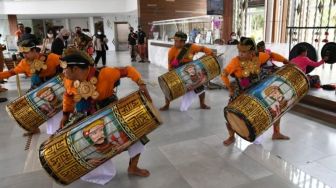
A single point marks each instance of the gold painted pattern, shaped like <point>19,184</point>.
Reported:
<point>211,64</point>
<point>296,78</point>
<point>67,166</point>
<point>136,116</point>
<point>173,85</point>
<point>254,112</point>
<point>61,161</point>
<point>24,114</point>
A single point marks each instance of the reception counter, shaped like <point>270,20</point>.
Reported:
<point>158,52</point>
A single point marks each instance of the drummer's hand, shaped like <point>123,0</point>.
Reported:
<point>325,58</point>
<point>143,88</point>
<point>96,162</point>
<point>64,120</point>
<point>230,92</point>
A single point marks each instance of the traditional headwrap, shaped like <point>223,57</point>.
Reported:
<point>73,56</point>
<point>180,36</point>
<point>26,45</point>
<point>261,44</point>
<point>246,44</point>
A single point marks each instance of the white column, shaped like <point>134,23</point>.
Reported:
<point>91,25</point>
<point>269,4</point>
<point>67,24</point>
<point>109,31</point>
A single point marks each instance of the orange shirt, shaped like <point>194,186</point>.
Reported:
<point>105,86</point>
<point>23,67</point>
<point>18,34</point>
<point>275,56</point>
<point>174,52</point>
<point>234,68</point>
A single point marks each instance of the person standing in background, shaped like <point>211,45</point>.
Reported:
<point>132,38</point>
<point>28,36</point>
<point>19,32</point>
<point>47,42</point>
<point>82,41</point>
<point>87,32</point>
<point>90,49</point>
<point>2,62</point>
<point>141,44</point>
<point>61,42</point>
<point>100,45</point>
<point>233,40</point>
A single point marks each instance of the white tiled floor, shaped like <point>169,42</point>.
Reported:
<point>187,151</point>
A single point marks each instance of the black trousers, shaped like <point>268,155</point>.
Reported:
<point>100,54</point>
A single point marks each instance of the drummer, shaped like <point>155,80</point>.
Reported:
<point>180,54</point>
<point>269,67</point>
<point>302,61</point>
<point>246,68</point>
<point>47,67</point>
<point>79,69</point>
<point>35,65</point>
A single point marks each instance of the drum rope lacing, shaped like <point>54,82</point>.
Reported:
<point>28,142</point>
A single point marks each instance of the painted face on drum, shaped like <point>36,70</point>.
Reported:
<point>277,95</point>
<point>179,43</point>
<point>191,70</point>
<point>97,134</point>
<point>48,95</point>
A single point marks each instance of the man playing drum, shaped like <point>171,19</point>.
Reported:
<point>88,90</point>
<point>35,65</point>
<point>182,53</point>
<point>246,69</point>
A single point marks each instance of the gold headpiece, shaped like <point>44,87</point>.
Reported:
<point>24,49</point>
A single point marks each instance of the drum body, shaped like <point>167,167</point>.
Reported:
<point>188,77</point>
<point>254,111</point>
<point>37,106</point>
<point>85,145</point>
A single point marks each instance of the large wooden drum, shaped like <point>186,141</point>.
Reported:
<point>37,106</point>
<point>254,111</point>
<point>188,77</point>
<point>82,147</point>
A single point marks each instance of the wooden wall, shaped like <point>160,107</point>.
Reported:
<point>12,20</point>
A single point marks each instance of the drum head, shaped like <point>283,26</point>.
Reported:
<point>311,53</point>
<point>329,50</point>
<point>239,125</point>
<point>164,87</point>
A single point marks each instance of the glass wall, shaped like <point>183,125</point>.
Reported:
<point>204,29</point>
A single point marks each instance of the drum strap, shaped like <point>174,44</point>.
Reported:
<point>184,51</point>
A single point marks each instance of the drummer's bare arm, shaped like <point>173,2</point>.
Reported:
<point>313,63</point>
<point>225,78</point>
<point>196,48</point>
<point>228,70</point>
<point>129,72</point>
<point>68,107</point>
<point>18,69</point>
<point>133,74</point>
<point>278,57</point>
<point>171,57</point>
